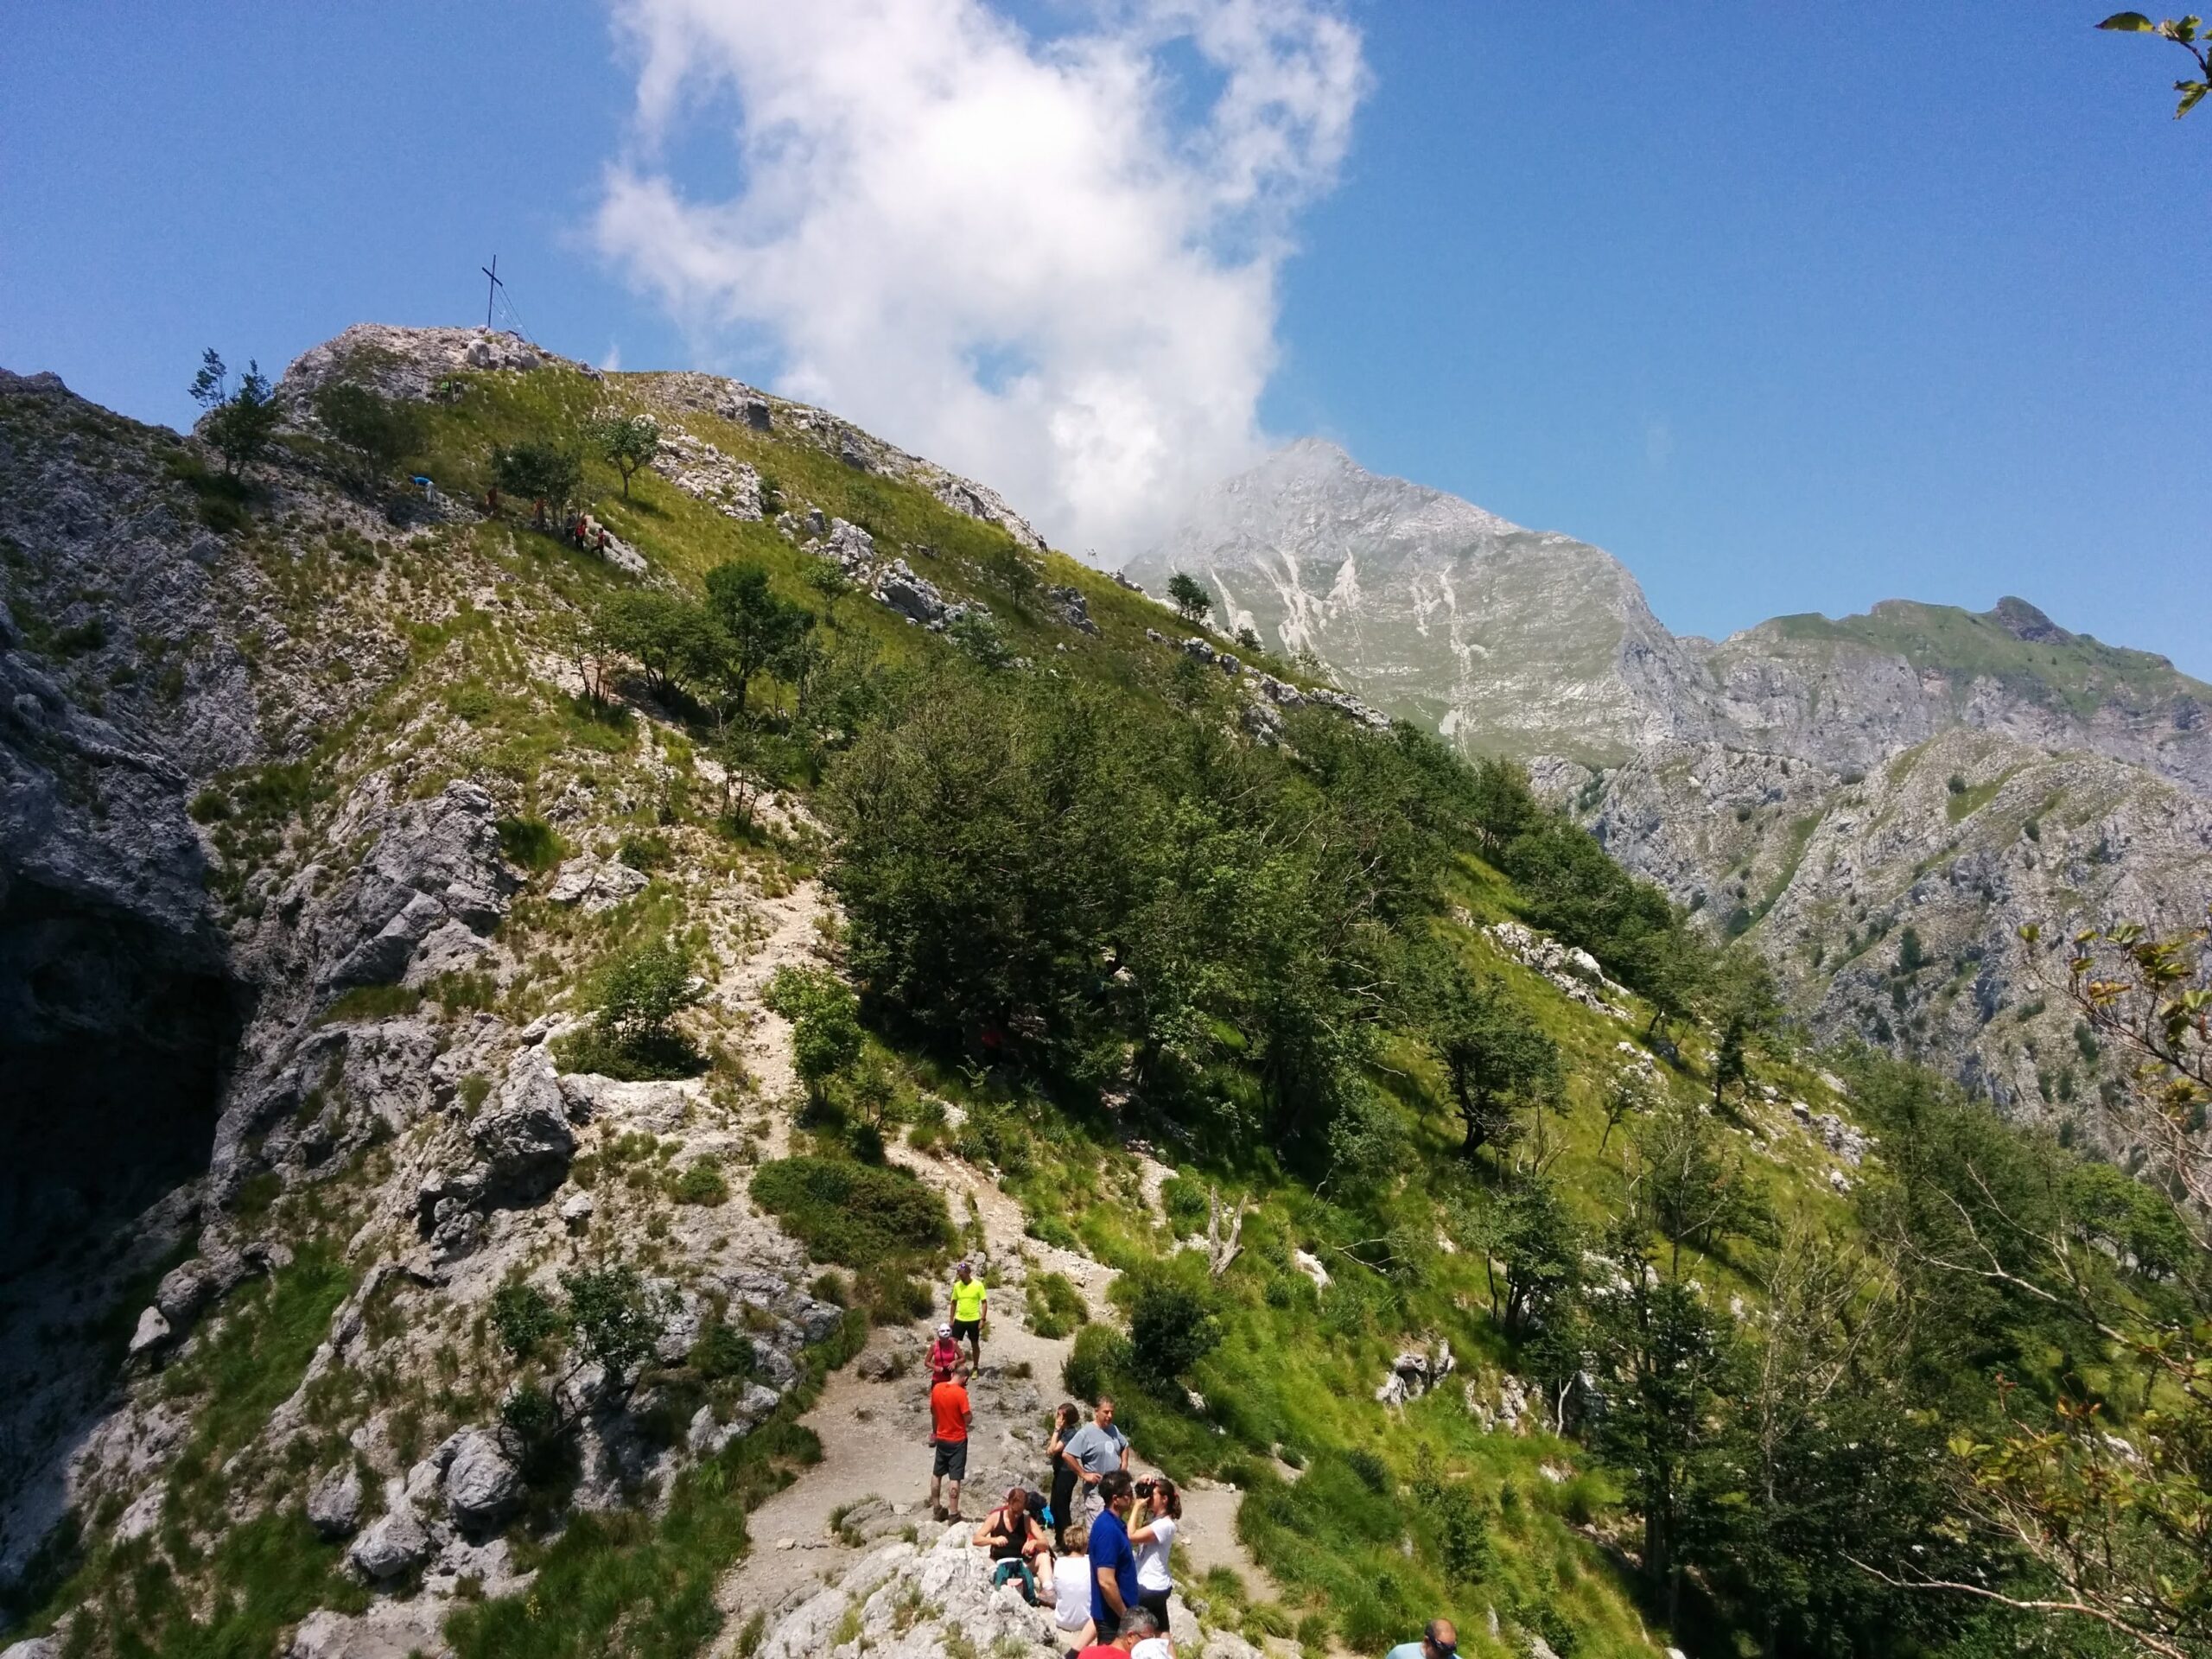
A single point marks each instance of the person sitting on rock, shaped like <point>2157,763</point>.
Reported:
<point>949,1417</point>
<point>1440,1641</point>
<point>1067,1592</point>
<point>944,1354</point>
<point>1017,1544</point>
<point>971,1306</point>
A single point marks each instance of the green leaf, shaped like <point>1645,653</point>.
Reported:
<point>2191,92</point>
<point>2134,22</point>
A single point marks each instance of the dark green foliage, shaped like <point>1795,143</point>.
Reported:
<point>1188,595</point>
<point>1099,1357</point>
<point>1669,1365</point>
<point>856,1215</point>
<point>1911,954</point>
<point>826,1022</point>
<point>979,637</point>
<point>373,434</point>
<point>723,1351</point>
<point>639,994</point>
<point>1456,1520</point>
<point>647,852</point>
<point>1044,875</point>
<point>1056,1307</point>
<point>1570,887</point>
<point>530,1411</point>
<point>614,1315</point>
<point>524,1318</point>
<point>1173,1325</point>
<point>1692,1185</point>
<point>1497,1059</point>
<point>531,842</point>
<point>627,441</point>
<point>1743,1001</point>
<point>760,631</point>
<point>667,635</point>
<point>702,1182</point>
<point>547,476</point>
<point>238,423</point>
<point>1534,1255</point>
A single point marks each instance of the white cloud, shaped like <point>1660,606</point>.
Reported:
<point>1048,263</point>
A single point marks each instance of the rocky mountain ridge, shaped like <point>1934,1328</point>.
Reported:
<point>1817,785</point>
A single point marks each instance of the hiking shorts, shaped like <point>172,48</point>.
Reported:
<point>967,1331</point>
<point>951,1462</point>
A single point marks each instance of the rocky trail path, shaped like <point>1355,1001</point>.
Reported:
<point>872,1417</point>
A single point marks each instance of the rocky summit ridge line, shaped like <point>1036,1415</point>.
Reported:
<point>1822,786</point>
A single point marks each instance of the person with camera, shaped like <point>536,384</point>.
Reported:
<point>1158,1515</point>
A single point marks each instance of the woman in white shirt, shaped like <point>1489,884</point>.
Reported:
<point>1161,1513</point>
<point>1068,1592</point>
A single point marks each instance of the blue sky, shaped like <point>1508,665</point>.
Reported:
<point>1791,309</point>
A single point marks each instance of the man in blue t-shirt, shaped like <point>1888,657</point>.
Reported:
<point>1112,1562</point>
<point>1440,1641</point>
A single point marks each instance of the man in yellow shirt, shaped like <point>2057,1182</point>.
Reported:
<point>971,1306</point>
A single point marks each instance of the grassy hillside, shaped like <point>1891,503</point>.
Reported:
<point>2070,672</point>
<point>1699,1356</point>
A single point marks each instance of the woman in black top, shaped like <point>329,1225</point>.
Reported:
<point>1065,1421</point>
<point>1015,1541</point>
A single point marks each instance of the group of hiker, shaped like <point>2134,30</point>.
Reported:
<point>1092,1543</point>
<point>1096,1549</point>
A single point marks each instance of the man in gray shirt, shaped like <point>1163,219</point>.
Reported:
<point>1093,1451</point>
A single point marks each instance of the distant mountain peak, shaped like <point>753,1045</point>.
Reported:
<point>2027,623</point>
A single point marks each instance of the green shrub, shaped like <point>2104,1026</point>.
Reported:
<point>994,1135</point>
<point>857,1215</point>
<point>637,994</point>
<point>531,842</point>
<point>1056,1307</point>
<point>702,1182</point>
<point>891,1295</point>
<point>1173,1325</point>
<point>1185,1203</point>
<point>826,1022</point>
<point>616,1317</point>
<point>722,1351</point>
<point>1100,1356</point>
<point>645,852</point>
<point>1369,1468</point>
<point>524,1316</point>
<point>366,1002</point>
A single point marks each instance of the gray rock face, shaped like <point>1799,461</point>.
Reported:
<point>1432,608</point>
<point>731,486</point>
<point>335,1505</point>
<point>394,1543</point>
<point>153,1331</point>
<point>438,862</point>
<point>1818,784</point>
<point>916,598</point>
<point>595,884</point>
<point>523,1136</point>
<point>483,1485</point>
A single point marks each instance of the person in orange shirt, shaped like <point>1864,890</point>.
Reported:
<point>949,1415</point>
